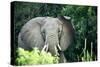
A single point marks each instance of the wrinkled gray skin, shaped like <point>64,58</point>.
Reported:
<point>51,34</point>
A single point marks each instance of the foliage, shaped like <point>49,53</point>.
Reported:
<point>84,20</point>
<point>35,57</point>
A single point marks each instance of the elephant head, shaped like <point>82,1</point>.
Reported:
<point>52,34</point>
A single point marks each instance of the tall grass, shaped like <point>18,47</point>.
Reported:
<point>86,55</point>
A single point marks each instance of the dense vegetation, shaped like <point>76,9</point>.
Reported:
<point>84,20</point>
<point>35,57</point>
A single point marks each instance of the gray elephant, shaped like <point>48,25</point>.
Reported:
<point>47,33</point>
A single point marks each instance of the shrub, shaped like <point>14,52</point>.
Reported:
<point>35,57</point>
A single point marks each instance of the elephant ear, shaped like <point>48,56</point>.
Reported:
<point>30,34</point>
<point>67,32</point>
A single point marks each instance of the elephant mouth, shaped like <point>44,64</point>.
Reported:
<point>57,47</point>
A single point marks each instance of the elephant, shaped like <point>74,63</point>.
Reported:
<point>47,33</point>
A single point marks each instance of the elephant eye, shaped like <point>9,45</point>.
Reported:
<point>59,33</point>
<point>43,35</point>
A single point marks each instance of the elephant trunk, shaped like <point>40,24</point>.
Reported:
<point>52,41</point>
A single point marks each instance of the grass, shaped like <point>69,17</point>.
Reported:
<point>86,55</point>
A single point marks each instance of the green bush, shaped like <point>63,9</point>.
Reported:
<point>35,57</point>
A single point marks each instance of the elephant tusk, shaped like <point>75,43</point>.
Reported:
<point>56,51</point>
<point>45,46</point>
<point>59,47</point>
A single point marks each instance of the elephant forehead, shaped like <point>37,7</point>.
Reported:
<point>51,23</point>
<point>51,26</point>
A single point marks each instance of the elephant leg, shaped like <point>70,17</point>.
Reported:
<point>62,57</point>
